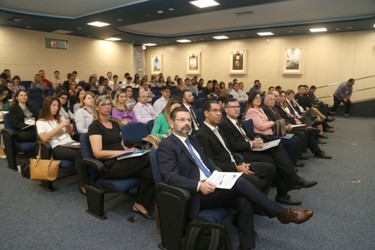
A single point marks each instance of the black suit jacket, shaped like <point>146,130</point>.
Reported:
<point>235,139</point>
<point>177,166</point>
<point>215,149</point>
<point>17,117</point>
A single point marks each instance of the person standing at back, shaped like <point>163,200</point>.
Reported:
<point>342,95</point>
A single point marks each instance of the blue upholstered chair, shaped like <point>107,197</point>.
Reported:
<point>133,133</point>
<point>248,126</point>
<point>95,185</point>
<point>173,206</point>
<point>150,125</point>
<point>12,146</point>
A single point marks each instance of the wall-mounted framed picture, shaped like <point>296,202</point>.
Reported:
<point>193,63</point>
<point>156,64</point>
<point>56,44</point>
<point>238,62</point>
<point>293,61</point>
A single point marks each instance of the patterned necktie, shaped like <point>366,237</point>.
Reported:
<point>242,132</point>
<point>198,161</point>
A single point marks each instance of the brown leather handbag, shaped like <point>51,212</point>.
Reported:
<point>42,169</point>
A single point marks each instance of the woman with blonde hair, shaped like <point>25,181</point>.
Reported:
<point>107,143</point>
<point>120,111</point>
<point>85,114</point>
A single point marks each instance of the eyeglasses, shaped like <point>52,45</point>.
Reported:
<point>215,110</point>
<point>183,119</point>
<point>106,104</point>
<point>234,107</point>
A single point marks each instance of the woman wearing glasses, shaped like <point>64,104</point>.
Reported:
<point>106,144</point>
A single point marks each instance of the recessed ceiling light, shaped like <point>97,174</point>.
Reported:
<point>171,9</point>
<point>337,29</point>
<point>98,24</point>
<point>220,37</point>
<point>184,41</point>
<point>265,33</point>
<point>149,44</point>
<point>119,19</point>
<point>373,26</point>
<point>79,28</point>
<point>113,39</point>
<point>160,12</point>
<point>318,30</point>
<point>29,27</point>
<point>204,3</point>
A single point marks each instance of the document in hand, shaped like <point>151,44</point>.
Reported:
<point>72,145</point>
<point>299,126</point>
<point>224,180</point>
<point>133,154</point>
<point>268,145</point>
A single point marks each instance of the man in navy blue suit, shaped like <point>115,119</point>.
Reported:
<point>183,164</point>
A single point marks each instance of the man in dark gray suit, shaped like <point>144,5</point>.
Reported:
<point>183,164</point>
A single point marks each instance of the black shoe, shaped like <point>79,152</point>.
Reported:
<point>331,112</point>
<point>329,126</point>
<point>287,199</point>
<point>145,215</point>
<point>306,184</point>
<point>320,141</point>
<point>323,136</point>
<point>296,170</point>
<point>298,164</point>
<point>322,155</point>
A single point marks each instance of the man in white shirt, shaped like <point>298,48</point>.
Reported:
<point>237,93</point>
<point>160,103</point>
<point>144,111</point>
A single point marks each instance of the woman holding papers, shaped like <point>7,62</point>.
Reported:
<point>22,117</point>
<point>161,125</point>
<point>56,131</point>
<point>107,144</point>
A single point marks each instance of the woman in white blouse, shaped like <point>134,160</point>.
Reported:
<point>57,132</point>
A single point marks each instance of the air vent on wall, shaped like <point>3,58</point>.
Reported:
<point>14,19</point>
<point>244,13</point>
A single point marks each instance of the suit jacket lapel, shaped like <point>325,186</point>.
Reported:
<point>183,147</point>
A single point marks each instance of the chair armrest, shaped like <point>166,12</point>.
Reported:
<point>238,157</point>
<point>7,131</point>
<point>91,169</point>
<point>92,163</point>
<point>46,150</point>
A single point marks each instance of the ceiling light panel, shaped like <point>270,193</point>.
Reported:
<point>220,37</point>
<point>98,24</point>
<point>265,33</point>
<point>204,3</point>
<point>113,39</point>
<point>183,41</point>
<point>149,44</point>
<point>314,30</point>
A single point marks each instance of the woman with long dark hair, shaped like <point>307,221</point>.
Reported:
<point>22,117</point>
<point>57,132</point>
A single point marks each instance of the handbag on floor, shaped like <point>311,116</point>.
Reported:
<point>42,169</point>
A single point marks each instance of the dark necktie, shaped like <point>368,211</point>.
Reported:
<point>242,132</point>
<point>198,161</point>
<point>195,120</point>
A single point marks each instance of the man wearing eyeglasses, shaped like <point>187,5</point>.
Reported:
<point>210,136</point>
<point>239,142</point>
<point>183,164</point>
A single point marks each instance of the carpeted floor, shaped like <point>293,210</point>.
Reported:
<point>343,202</point>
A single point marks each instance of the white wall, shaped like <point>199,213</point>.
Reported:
<point>23,52</point>
<point>326,58</point>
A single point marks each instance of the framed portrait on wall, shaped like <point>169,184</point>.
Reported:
<point>193,63</point>
<point>56,44</point>
<point>238,62</point>
<point>156,64</point>
<point>293,61</point>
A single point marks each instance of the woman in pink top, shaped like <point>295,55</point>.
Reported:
<point>261,123</point>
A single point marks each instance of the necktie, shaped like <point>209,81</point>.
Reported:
<point>216,132</point>
<point>195,120</point>
<point>197,160</point>
<point>242,132</point>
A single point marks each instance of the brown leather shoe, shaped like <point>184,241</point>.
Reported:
<point>295,215</point>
